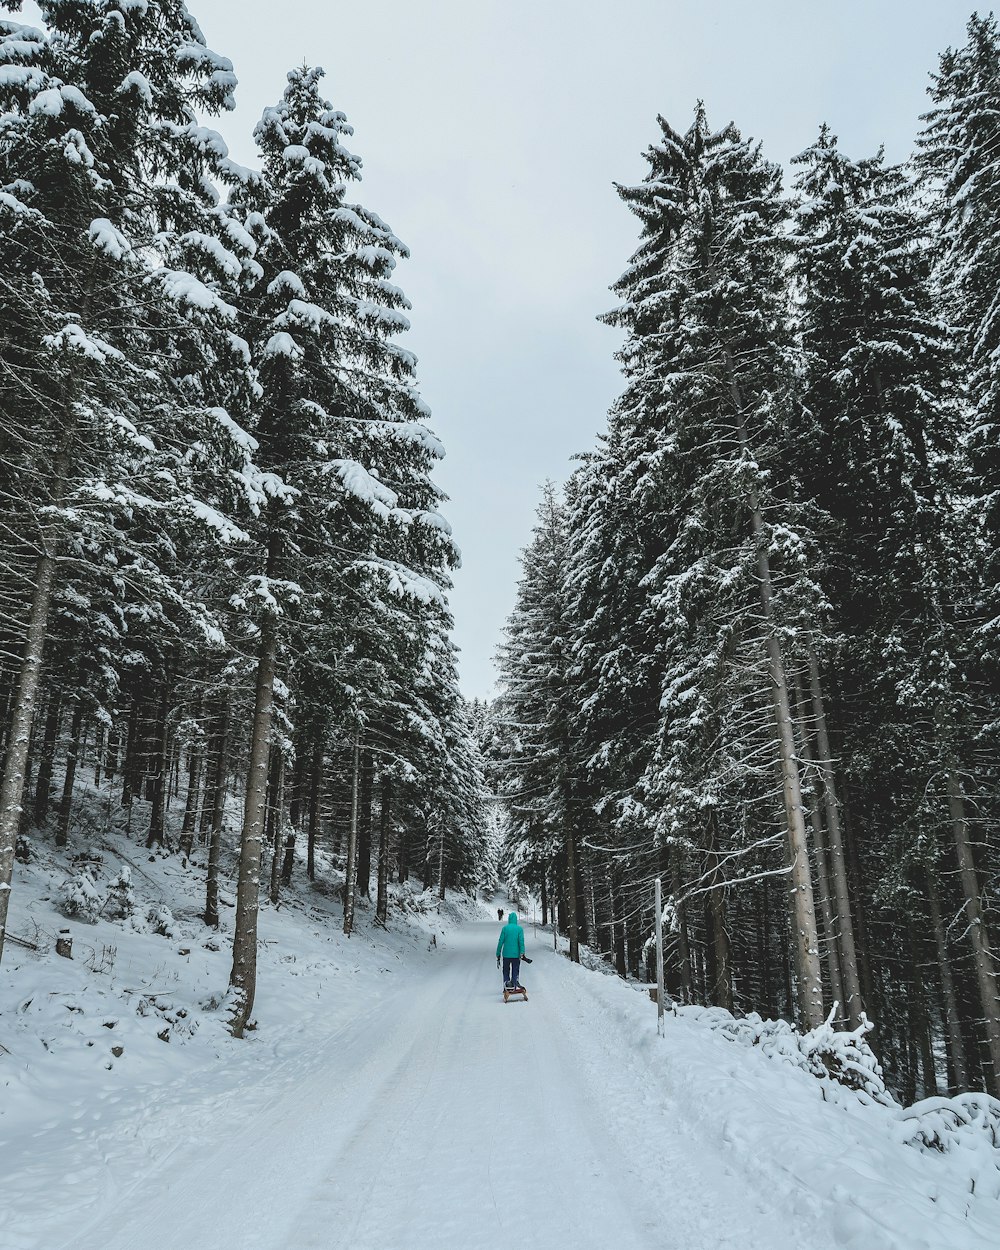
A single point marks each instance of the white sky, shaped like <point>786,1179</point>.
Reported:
<point>491,132</point>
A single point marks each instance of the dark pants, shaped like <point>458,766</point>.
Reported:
<point>511,970</point>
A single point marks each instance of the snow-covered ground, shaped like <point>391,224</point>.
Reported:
<point>389,1099</point>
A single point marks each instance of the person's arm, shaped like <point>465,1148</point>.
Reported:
<point>520,938</point>
<point>499,943</point>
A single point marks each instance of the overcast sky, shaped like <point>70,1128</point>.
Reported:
<point>491,132</point>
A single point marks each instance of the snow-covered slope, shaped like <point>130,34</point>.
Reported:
<point>388,1098</point>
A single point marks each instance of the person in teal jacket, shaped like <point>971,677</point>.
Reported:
<point>511,948</point>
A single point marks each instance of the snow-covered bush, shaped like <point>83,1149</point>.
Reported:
<point>120,904</point>
<point>160,919</point>
<point>79,898</point>
<point>967,1125</point>
<point>822,1052</point>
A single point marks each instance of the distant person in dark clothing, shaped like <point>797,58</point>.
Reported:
<point>500,914</point>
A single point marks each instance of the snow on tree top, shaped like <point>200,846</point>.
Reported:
<point>72,337</point>
<point>53,100</point>
<point>287,281</point>
<point>107,238</point>
<point>185,288</point>
<point>138,82</point>
<point>282,344</point>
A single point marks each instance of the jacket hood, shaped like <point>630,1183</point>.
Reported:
<point>512,918</point>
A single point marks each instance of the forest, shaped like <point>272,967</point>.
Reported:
<point>755,649</point>
<point>755,646</point>
<point>224,567</point>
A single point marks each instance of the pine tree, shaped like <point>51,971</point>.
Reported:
<point>97,119</point>
<point>883,424</point>
<point>353,512</point>
<point>710,385</point>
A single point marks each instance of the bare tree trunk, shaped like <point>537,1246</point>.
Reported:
<point>46,757</point>
<point>404,852</point>
<point>952,1024</point>
<point>352,844</point>
<point>571,909</point>
<point>384,819</point>
<point>680,911</point>
<point>365,824</point>
<point>315,780</point>
<point>276,821</point>
<point>845,924</point>
<point>982,956</point>
<point>12,784</point>
<point>920,1025</point>
<point>243,978</point>
<point>806,934</point>
<point>545,903</point>
<point>722,988</point>
<point>217,789</point>
<point>72,755</point>
<point>99,741</point>
<point>440,873</point>
<point>111,751</point>
<point>157,829</point>
<point>192,800</point>
<point>618,923</point>
<point>133,751</point>
<point>822,875</point>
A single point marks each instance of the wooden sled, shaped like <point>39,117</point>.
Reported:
<point>520,992</point>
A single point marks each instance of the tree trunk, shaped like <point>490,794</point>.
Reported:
<point>157,830</point>
<point>571,908</point>
<point>835,842</point>
<point>276,821</point>
<point>978,938</point>
<point>22,716</point>
<point>192,800</point>
<point>680,911</point>
<point>46,758</point>
<point>243,978</point>
<point>72,755</point>
<point>618,924</point>
<point>822,875</point>
<point>133,753</point>
<point>365,824</point>
<point>806,934</point>
<point>722,988</point>
<point>952,1023</point>
<point>440,872</point>
<point>352,844</point>
<point>404,851</point>
<point>218,792</point>
<point>315,781</point>
<point>384,818</point>
<point>545,904</point>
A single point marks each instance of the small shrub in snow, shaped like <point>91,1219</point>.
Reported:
<point>968,1126</point>
<point>822,1052</point>
<point>22,849</point>
<point>120,903</point>
<point>160,919</point>
<point>79,898</point>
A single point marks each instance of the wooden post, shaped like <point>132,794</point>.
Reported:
<point>64,944</point>
<point>659,957</point>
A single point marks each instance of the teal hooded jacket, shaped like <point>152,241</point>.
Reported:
<point>511,943</point>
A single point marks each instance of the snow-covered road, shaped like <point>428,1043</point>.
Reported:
<point>441,1117</point>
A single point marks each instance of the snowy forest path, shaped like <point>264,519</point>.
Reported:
<point>441,1117</point>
